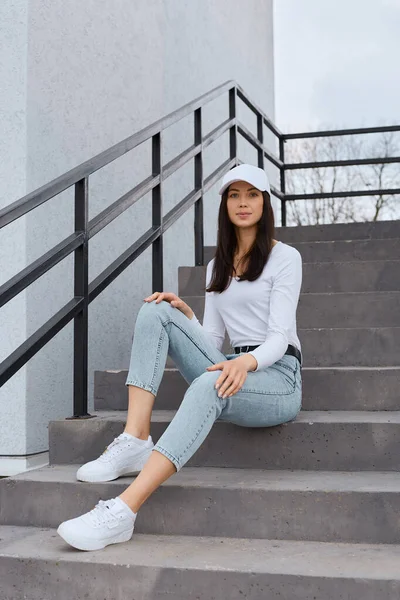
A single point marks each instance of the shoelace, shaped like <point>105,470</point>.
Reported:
<point>110,446</point>
<point>101,512</point>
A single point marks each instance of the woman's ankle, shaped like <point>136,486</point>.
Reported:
<point>141,434</point>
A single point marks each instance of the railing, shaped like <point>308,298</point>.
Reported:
<point>78,242</point>
<point>335,163</point>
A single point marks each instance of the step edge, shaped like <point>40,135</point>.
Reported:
<point>284,480</point>
<point>202,545</point>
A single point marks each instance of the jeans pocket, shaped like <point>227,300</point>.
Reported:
<point>288,369</point>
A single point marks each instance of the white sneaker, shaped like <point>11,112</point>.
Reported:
<point>109,522</point>
<point>124,456</point>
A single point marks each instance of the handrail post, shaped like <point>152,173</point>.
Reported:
<point>157,215</point>
<point>283,180</point>
<point>260,137</point>
<point>233,129</point>
<point>198,185</point>
<point>81,289</point>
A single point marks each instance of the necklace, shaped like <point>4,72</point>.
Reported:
<point>236,263</point>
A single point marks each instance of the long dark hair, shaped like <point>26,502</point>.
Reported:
<point>227,242</point>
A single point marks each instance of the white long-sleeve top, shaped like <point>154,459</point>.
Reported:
<point>258,312</point>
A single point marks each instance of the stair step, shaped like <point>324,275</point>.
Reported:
<point>342,347</point>
<point>302,505</point>
<point>324,388</point>
<point>340,250</point>
<point>339,231</point>
<point>343,309</point>
<point>361,347</point>
<point>179,567</point>
<point>358,276</point>
<point>315,441</point>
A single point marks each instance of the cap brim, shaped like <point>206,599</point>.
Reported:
<point>226,185</point>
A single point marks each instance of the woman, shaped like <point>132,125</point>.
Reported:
<point>252,290</point>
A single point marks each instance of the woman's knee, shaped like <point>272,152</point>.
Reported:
<point>207,380</point>
<point>201,395</point>
<point>151,308</point>
<point>204,387</point>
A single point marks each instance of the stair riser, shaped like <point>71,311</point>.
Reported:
<point>299,445</point>
<point>349,310</point>
<point>339,231</point>
<point>384,249</point>
<point>291,515</point>
<point>336,310</point>
<point>356,347</point>
<point>363,347</point>
<point>66,580</point>
<point>325,389</point>
<point>368,276</point>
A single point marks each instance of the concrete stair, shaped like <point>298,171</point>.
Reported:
<point>323,506</point>
<point>35,565</point>
<point>346,276</point>
<point>340,250</point>
<point>324,388</point>
<point>348,231</point>
<point>337,310</point>
<point>316,440</point>
<point>305,510</point>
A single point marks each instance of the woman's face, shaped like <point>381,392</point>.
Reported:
<point>244,198</point>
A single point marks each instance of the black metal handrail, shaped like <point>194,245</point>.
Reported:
<point>336,132</point>
<point>78,242</point>
<point>339,163</point>
<point>342,163</point>
<point>334,163</point>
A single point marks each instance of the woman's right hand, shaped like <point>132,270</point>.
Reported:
<point>173,299</point>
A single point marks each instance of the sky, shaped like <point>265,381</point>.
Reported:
<point>337,63</point>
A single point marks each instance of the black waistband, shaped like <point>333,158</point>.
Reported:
<point>291,350</point>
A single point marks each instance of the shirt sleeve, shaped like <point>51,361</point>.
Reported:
<point>213,325</point>
<point>283,305</point>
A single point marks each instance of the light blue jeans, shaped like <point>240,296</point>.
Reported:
<point>268,397</point>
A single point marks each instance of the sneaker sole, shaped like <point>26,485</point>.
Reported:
<point>111,476</point>
<point>82,543</point>
<point>94,479</point>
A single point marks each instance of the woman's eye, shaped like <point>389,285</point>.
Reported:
<point>233,194</point>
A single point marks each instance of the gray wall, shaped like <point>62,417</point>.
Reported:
<point>13,149</point>
<point>97,72</point>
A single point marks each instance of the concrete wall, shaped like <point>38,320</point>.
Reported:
<point>13,149</point>
<point>96,73</point>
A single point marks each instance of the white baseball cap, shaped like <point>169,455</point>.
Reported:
<point>249,173</point>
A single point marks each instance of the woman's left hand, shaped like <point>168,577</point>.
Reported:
<point>234,374</point>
